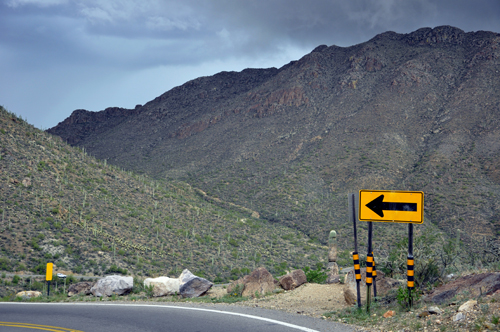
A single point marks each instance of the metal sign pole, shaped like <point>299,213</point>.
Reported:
<point>355,255</point>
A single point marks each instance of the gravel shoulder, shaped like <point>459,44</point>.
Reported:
<point>309,299</point>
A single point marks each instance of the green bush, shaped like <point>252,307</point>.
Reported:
<point>236,291</point>
<point>315,276</point>
<point>115,269</point>
<point>15,279</point>
<point>403,296</point>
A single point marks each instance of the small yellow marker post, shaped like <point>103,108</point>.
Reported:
<point>48,276</point>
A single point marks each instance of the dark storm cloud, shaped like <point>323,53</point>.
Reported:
<point>72,52</point>
<point>145,33</point>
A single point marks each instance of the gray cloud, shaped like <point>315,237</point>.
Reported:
<point>89,53</point>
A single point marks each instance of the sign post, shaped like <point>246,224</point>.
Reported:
<point>48,276</point>
<point>355,255</point>
<point>394,206</point>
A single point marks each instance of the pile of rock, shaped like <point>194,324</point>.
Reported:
<point>260,282</point>
<point>332,267</point>
<point>187,285</point>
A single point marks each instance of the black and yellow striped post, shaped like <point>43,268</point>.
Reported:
<point>410,274</point>
<point>357,273</point>
<point>374,275</point>
<point>369,279</point>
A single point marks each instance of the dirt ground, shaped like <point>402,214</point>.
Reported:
<point>315,300</point>
<point>308,299</point>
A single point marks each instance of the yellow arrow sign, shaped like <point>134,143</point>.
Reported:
<point>391,206</point>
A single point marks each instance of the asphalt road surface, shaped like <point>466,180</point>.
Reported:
<point>16,316</point>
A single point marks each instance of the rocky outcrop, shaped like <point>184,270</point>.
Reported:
<point>163,285</point>
<point>112,285</point>
<point>259,282</point>
<point>80,288</point>
<point>292,280</point>
<point>191,285</point>
<point>82,123</point>
<point>475,284</point>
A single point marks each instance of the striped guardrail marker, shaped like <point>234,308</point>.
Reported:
<point>357,268</point>
<point>369,269</point>
<point>410,274</point>
<point>374,275</point>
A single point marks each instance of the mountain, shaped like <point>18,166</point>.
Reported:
<point>417,111</point>
<point>60,205</point>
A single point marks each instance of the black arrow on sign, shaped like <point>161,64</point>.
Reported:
<point>378,206</point>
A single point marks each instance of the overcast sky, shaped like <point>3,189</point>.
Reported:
<point>60,55</point>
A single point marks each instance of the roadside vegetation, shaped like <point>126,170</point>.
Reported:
<point>60,205</point>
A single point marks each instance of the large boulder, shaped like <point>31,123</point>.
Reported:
<point>28,294</point>
<point>293,280</point>
<point>191,285</point>
<point>163,285</point>
<point>349,296</point>
<point>112,285</point>
<point>80,288</point>
<point>260,282</point>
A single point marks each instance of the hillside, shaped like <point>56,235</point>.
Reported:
<point>417,111</point>
<point>89,217</point>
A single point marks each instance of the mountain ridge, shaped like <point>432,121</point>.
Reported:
<point>416,111</point>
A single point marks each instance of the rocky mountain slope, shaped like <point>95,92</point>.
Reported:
<point>60,205</point>
<point>417,111</point>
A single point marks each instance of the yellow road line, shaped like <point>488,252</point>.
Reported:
<point>39,327</point>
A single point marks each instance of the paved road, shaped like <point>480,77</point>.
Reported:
<point>14,316</point>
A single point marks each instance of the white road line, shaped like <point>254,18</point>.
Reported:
<point>301,328</point>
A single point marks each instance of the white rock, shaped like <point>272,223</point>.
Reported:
<point>467,306</point>
<point>29,294</point>
<point>459,316</point>
<point>193,286</point>
<point>434,310</point>
<point>112,285</point>
<point>163,285</point>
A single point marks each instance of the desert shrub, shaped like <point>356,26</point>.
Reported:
<point>15,279</point>
<point>115,269</point>
<point>403,296</point>
<point>5,264</point>
<point>315,276</point>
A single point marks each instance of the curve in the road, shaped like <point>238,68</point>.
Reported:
<point>268,320</point>
<point>38,327</point>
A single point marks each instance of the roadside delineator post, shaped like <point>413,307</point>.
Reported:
<point>369,267</point>
<point>48,276</point>
<point>410,273</point>
<point>374,275</point>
